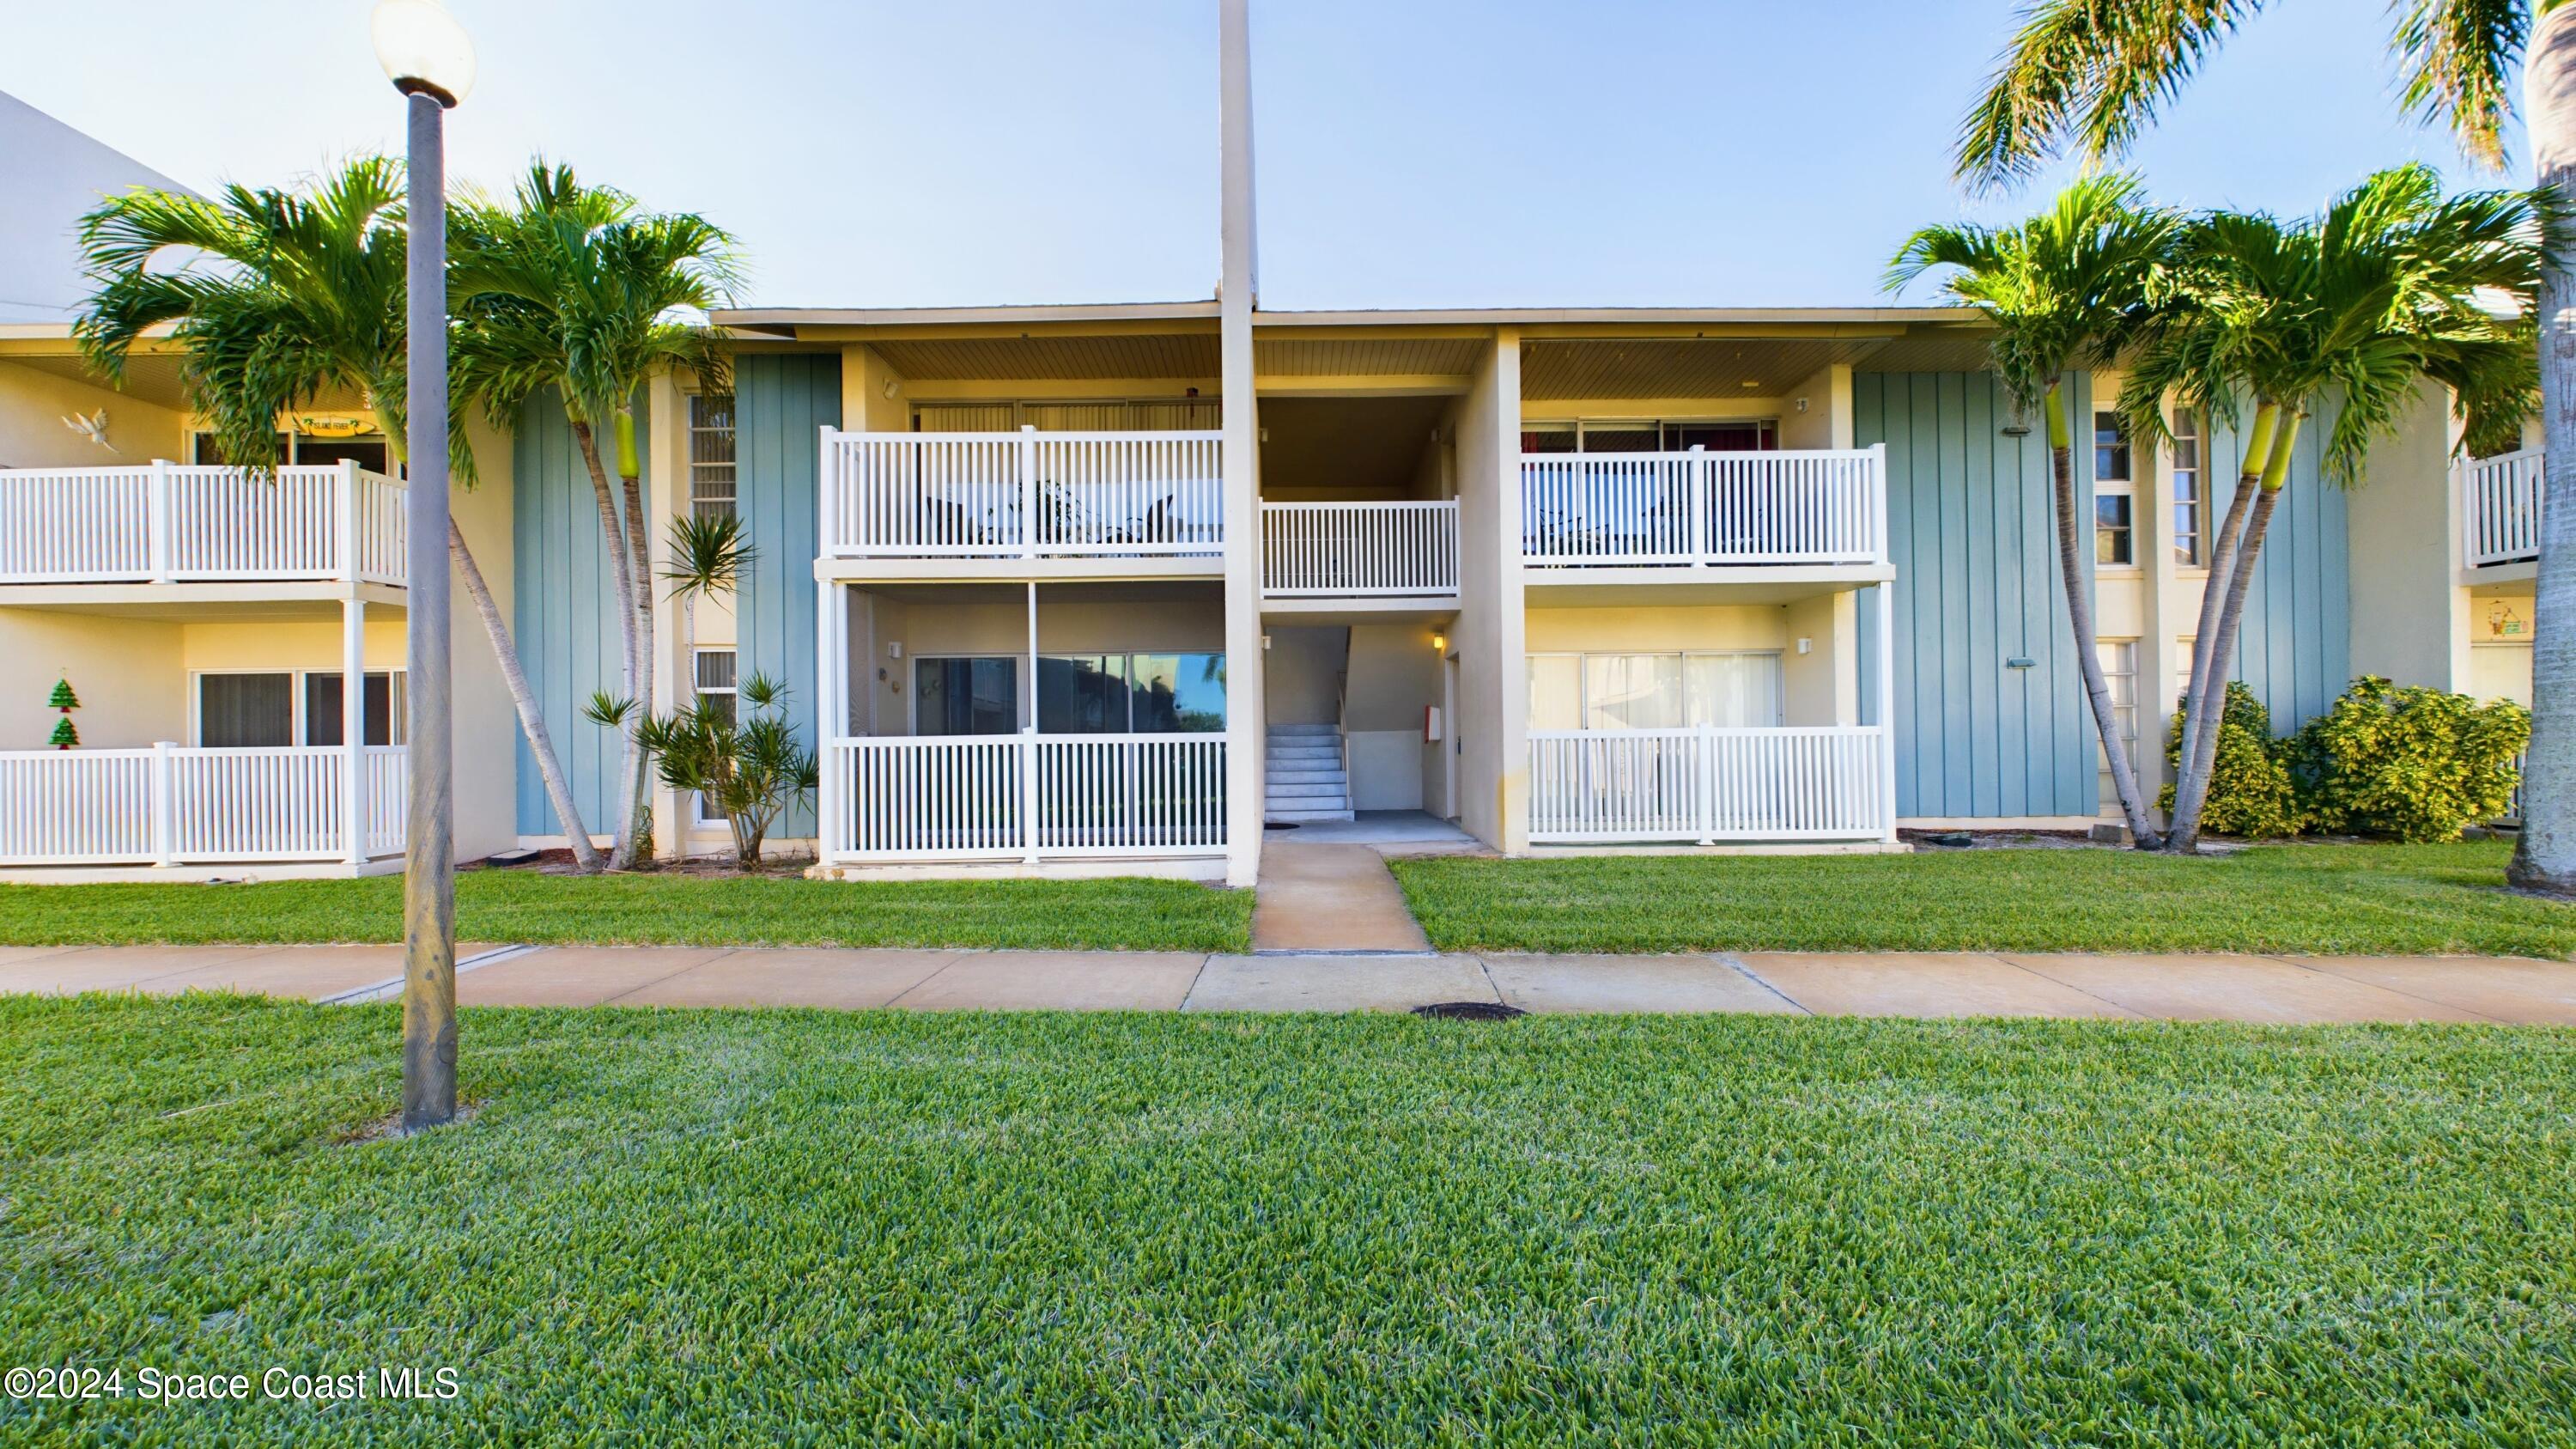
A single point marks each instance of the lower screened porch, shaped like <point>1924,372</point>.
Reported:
<point>990,725</point>
<point>1703,717</point>
<point>214,739</point>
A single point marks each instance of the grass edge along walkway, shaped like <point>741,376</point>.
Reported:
<point>2312,899</point>
<point>1117,913</point>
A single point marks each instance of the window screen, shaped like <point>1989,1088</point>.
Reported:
<point>243,711</point>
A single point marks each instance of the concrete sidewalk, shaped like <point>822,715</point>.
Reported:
<point>2192,988</point>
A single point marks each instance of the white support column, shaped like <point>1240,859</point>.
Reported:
<point>1886,666</point>
<point>831,710</point>
<point>1511,623</point>
<point>1029,740</point>
<point>353,707</point>
<point>347,500</point>
<point>157,524</point>
<point>1237,290</point>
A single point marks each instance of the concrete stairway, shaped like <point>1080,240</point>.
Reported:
<point>1306,780</point>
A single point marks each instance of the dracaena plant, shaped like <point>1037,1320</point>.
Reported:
<point>748,766</point>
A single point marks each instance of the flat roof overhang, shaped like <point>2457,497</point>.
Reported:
<point>204,601</point>
<point>1616,588</point>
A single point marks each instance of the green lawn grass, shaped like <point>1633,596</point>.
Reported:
<point>2330,899</point>
<point>820,1227</point>
<point>525,906</point>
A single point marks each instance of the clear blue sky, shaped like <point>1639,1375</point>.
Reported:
<point>1412,153</point>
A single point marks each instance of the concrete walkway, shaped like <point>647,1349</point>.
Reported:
<point>2190,988</point>
<point>1330,898</point>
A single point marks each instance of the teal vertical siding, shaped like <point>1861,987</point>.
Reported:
<point>1974,544</point>
<point>782,401</point>
<point>1973,537</point>
<point>566,627</point>
<point>2294,648</point>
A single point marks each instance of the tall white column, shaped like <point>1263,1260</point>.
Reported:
<point>353,720</point>
<point>1244,719</point>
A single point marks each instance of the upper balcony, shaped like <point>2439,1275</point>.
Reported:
<point>934,504</point>
<point>168,523</point>
<point>2502,496</point>
<point>1696,511</point>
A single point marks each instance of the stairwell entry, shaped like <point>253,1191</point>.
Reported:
<point>1309,776</point>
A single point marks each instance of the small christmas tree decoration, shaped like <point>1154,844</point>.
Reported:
<point>65,736</point>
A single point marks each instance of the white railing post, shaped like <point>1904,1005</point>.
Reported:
<point>1029,791</point>
<point>1702,480</point>
<point>827,498</point>
<point>165,825</point>
<point>1704,765</point>
<point>158,526</point>
<point>1886,663</point>
<point>1877,502</point>
<point>347,497</point>
<point>1029,496</point>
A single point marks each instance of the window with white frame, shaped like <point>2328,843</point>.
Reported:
<point>1145,694</point>
<point>716,691</point>
<point>2120,671</point>
<point>274,708</point>
<point>2114,505</point>
<point>2190,492</point>
<point>711,456</point>
<point>1729,688</point>
<point>1107,415</point>
<point>1650,435</point>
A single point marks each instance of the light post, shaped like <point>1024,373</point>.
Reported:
<point>426,55</point>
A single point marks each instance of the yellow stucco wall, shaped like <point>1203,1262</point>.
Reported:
<point>33,405</point>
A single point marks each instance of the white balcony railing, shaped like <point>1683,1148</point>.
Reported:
<point>2502,497</point>
<point>1707,785</point>
<point>1700,508</point>
<point>1023,797</point>
<point>1346,550</point>
<point>167,523</point>
<point>173,806</point>
<point>1022,495</point>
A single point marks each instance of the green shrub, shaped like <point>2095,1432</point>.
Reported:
<point>2414,763</point>
<point>2250,794</point>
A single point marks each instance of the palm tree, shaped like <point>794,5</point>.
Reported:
<point>573,288</point>
<point>2347,312</point>
<point>308,299</point>
<point>2091,73</point>
<point>2062,290</point>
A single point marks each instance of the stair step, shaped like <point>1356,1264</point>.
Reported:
<point>1305,751</point>
<point>1305,729</point>
<point>1335,776</point>
<point>1331,789</point>
<point>1300,817</point>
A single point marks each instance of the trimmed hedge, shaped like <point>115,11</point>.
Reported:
<point>2406,762</point>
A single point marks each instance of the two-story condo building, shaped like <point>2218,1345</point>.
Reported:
<point>1117,589</point>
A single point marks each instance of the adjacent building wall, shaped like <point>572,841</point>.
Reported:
<point>2406,622</point>
<point>1493,688</point>
<point>1394,676</point>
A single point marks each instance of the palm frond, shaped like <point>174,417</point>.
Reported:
<point>2090,72</point>
<point>2458,57</point>
<point>709,555</point>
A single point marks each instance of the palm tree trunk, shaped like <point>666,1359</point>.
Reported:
<point>2203,710</point>
<point>2079,614</point>
<point>2192,794</point>
<point>2545,859</point>
<point>532,720</point>
<point>621,568</point>
<point>640,540</point>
